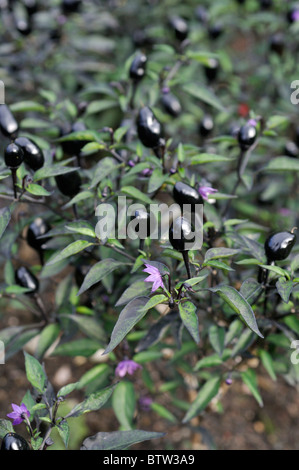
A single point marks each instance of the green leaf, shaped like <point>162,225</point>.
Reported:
<point>216,253</point>
<point>136,194</point>
<point>154,301</point>
<point>5,427</point>
<point>98,271</point>
<point>53,170</point>
<point>267,363</point>
<point>5,216</point>
<point>217,338</point>
<point>92,403</point>
<point>67,389</point>
<point>292,322</point>
<point>284,288</point>
<point>277,270</point>
<point>48,336</point>
<point>128,318</point>
<point>213,360</point>
<point>103,169</point>
<point>163,412</point>
<point>25,106</point>
<point>70,250</point>
<point>80,347</point>
<point>234,330</point>
<point>124,403</point>
<point>88,325</point>
<point>249,379</point>
<point>64,431</point>
<point>281,164</point>
<point>217,265</point>
<point>37,190</point>
<point>34,372</point>
<point>237,302</point>
<point>100,372</point>
<point>250,290</point>
<point>276,121</point>
<point>190,319</point>
<point>208,158</point>
<point>97,106</point>
<point>82,196</point>
<point>118,440</point>
<point>82,227</point>
<point>156,180</point>
<point>136,289</point>
<point>204,94</point>
<point>207,392</point>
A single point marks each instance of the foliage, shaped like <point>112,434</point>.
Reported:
<point>68,85</point>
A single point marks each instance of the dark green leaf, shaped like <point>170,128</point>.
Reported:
<point>98,271</point>
<point>118,440</point>
<point>237,302</point>
<point>249,379</point>
<point>207,392</point>
<point>34,372</point>
<point>190,319</point>
<point>128,318</point>
<point>92,403</point>
<point>124,403</point>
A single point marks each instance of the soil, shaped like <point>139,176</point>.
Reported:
<point>241,425</point>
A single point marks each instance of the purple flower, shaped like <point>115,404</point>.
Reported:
<point>145,403</point>
<point>252,122</point>
<point>285,212</point>
<point>19,413</point>
<point>154,277</point>
<point>127,367</point>
<point>204,191</point>
<point>295,15</point>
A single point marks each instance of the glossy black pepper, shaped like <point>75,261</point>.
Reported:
<point>33,155</point>
<point>36,229</point>
<point>171,104</point>
<point>143,227</point>
<point>206,125</point>
<point>8,125</point>
<point>277,43</point>
<point>180,27</point>
<point>179,234</point>
<point>211,70</point>
<point>149,129</point>
<point>138,67</point>
<point>71,6</point>
<point>13,156</point>
<point>22,19</point>
<point>266,4</point>
<point>73,147</point>
<point>279,245</point>
<point>31,6</point>
<point>13,441</point>
<point>215,31</point>
<point>291,149</point>
<point>69,184</point>
<point>25,278</point>
<point>184,194</point>
<point>246,136</point>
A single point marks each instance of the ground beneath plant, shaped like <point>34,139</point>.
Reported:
<point>242,424</point>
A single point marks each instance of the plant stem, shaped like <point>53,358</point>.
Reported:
<point>14,181</point>
<point>186,260</point>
